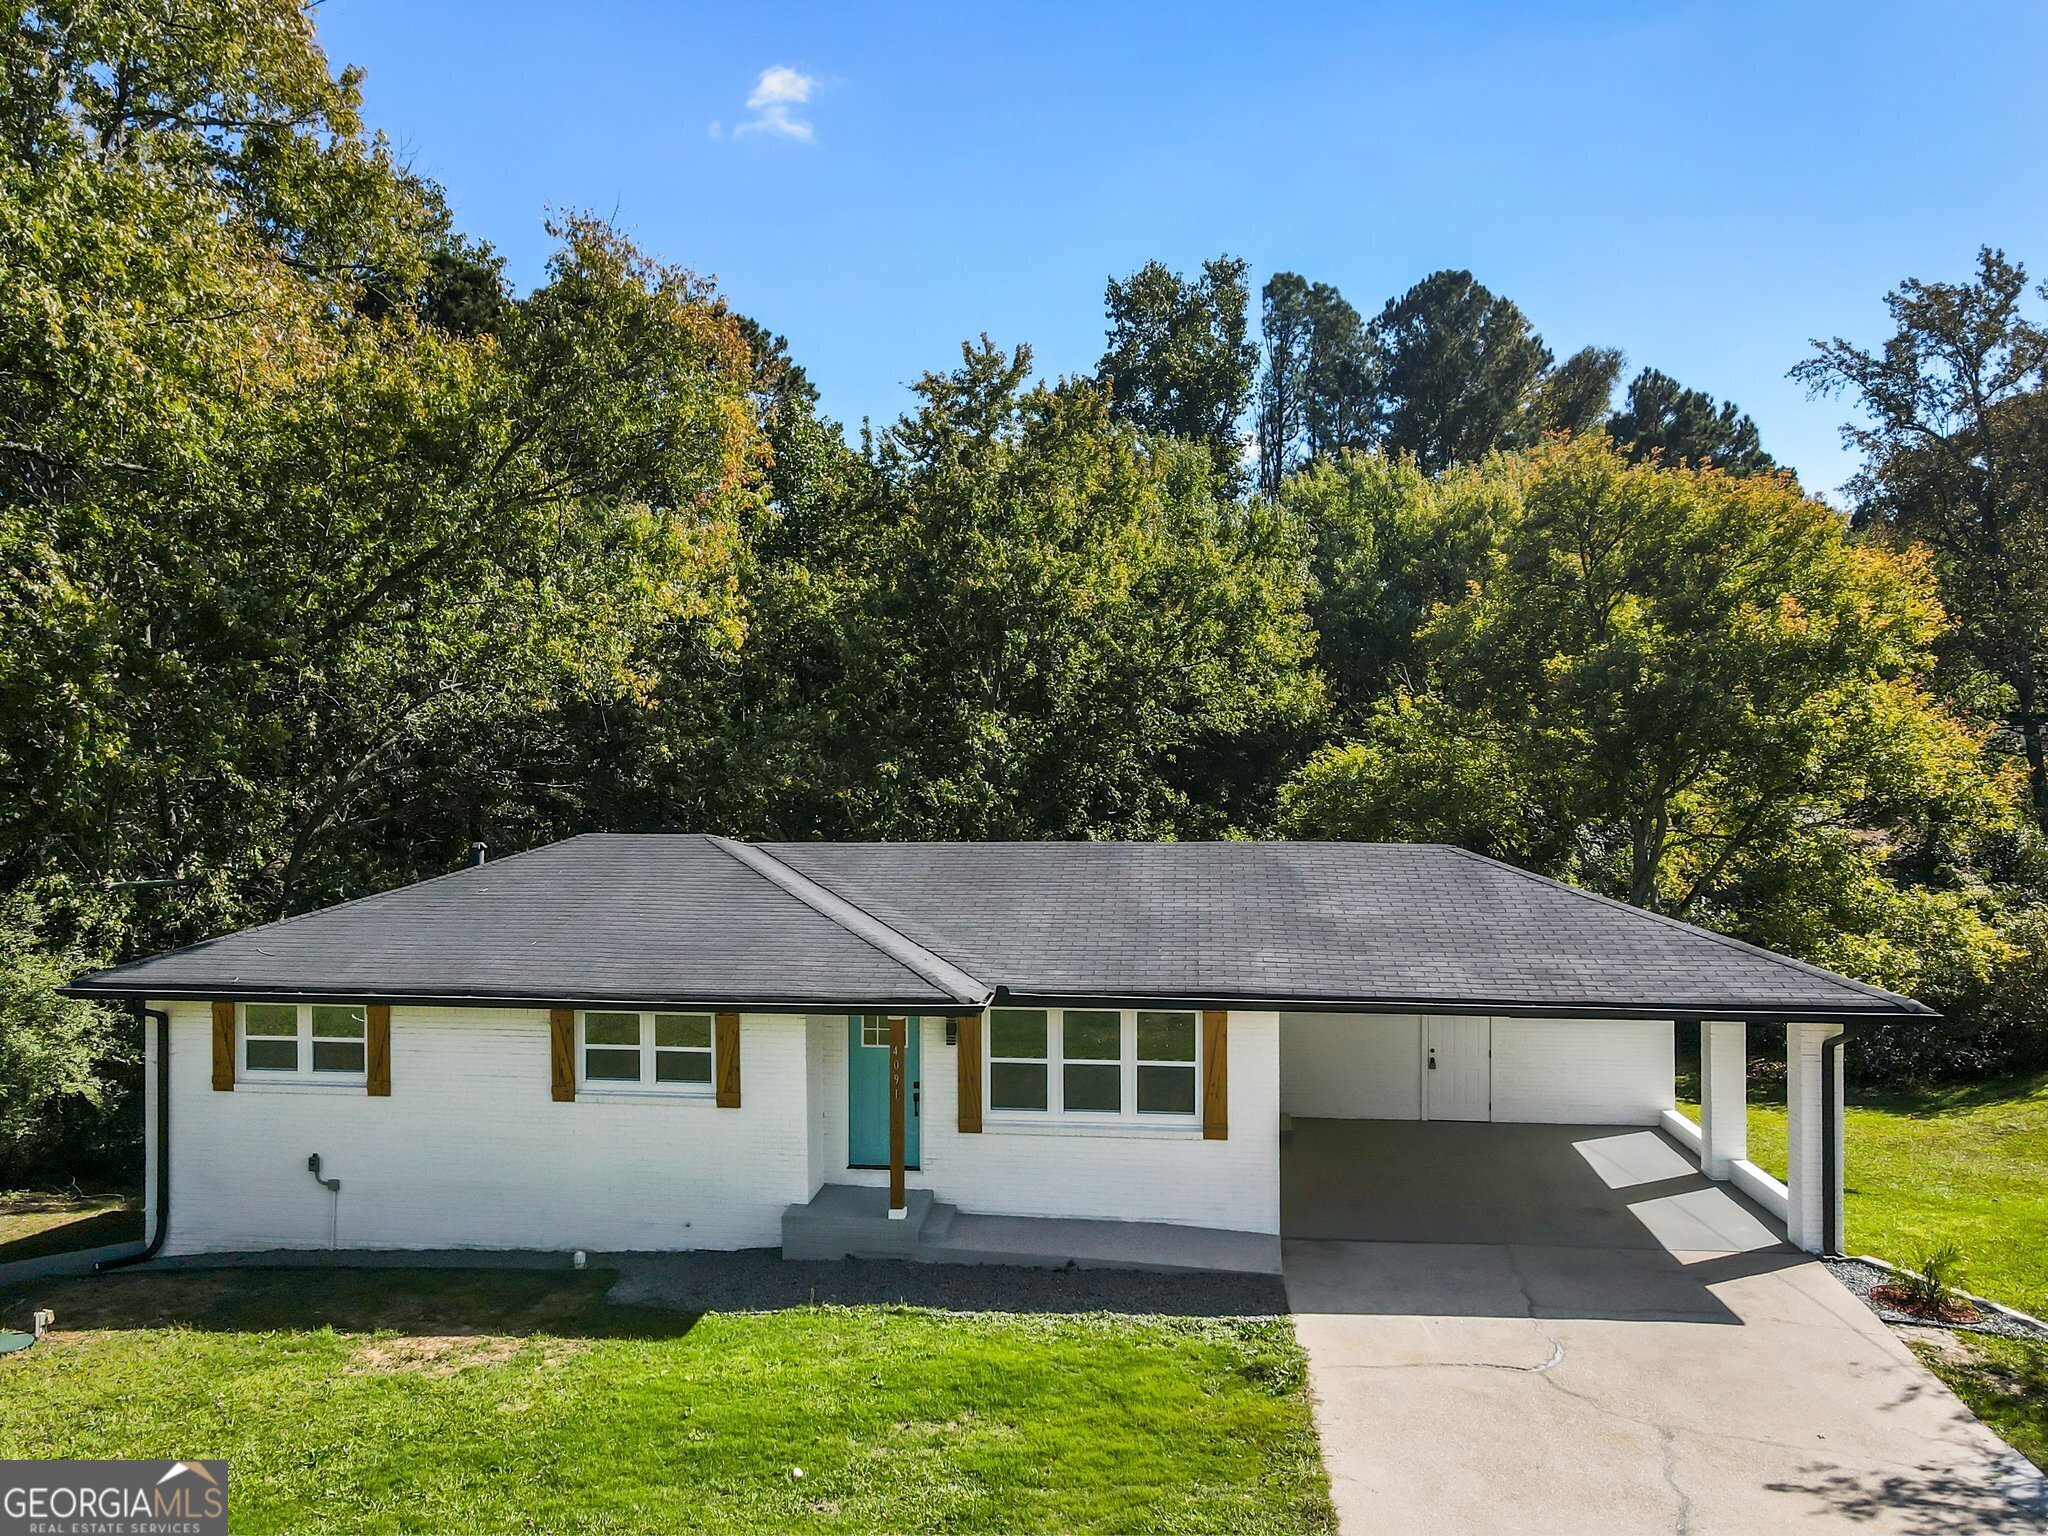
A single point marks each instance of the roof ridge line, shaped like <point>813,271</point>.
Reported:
<point>906,952</point>
<point>1728,940</point>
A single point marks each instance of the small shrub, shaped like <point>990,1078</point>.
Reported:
<point>1931,1280</point>
<point>1928,1288</point>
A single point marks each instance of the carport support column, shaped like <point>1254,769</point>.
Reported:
<point>1813,1107</point>
<point>1724,1097</point>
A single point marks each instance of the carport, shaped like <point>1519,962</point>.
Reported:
<point>1563,1186</point>
<point>1542,1328</point>
<point>1389,1075</point>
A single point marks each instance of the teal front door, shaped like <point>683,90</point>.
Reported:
<point>867,1092</point>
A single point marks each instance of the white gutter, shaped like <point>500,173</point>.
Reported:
<point>940,972</point>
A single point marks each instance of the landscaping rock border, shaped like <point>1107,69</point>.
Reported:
<point>1863,1275</point>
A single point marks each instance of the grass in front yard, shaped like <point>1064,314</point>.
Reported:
<point>35,1222</point>
<point>368,1400</point>
<point>1968,1164</point>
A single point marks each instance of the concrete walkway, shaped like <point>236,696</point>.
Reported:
<point>1634,1350</point>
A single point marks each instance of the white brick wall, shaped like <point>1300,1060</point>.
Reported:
<point>1805,1079</point>
<point>1105,1173</point>
<point>1556,1071</point>
<point>1582,1071</point>
<point>470,1151</point>
<point>1351,1066</point>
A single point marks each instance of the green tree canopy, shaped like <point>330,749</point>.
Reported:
<point>1683,426</point>
<point>303,508</point>
<point>1316,388</point>
<point>1458,372</point>
<point>1178,362</point>
<point>1955,446</point>
<point>1655,682</point>
<point>1577,395</point>
<point>1016,617</point>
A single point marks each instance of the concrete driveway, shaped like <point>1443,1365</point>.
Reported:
<point>1567,1329</point>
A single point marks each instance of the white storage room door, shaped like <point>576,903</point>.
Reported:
<point>1457,1068</point>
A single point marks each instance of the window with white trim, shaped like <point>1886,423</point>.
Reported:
<point>1166,1063</point>
<point>1094,1064</point>
<point>305,1042</point>
<point>652,1052</point>
<point>1017,1059</point>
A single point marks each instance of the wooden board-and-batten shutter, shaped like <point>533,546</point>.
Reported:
<point>1216,1076</point>
<point>726,1054</point>
<point>378,1052</point>
<point>967,1027</point>
<point>223,1047</point>
<point>562,1054</point>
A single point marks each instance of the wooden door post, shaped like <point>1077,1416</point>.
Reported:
<point>897,1207</point>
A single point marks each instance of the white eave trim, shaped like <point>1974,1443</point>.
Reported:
<point>940,972</point>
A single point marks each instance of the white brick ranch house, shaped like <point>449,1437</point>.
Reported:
<point>946,1050</point>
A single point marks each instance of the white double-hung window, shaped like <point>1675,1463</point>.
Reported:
<point>304,1042</point>
<point>658,1052</point>
<point>1084,1064</point>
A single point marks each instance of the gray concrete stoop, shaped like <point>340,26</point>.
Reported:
<point>852,1221</point>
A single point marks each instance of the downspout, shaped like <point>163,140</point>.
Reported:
<point>163,1147</point>
<point>1831,1109</point>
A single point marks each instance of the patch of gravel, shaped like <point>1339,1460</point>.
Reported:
<point>1862,1278</point>
<point>761,1280</point>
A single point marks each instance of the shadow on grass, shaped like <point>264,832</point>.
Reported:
<point>94,1230</point>
<point>761,1280</point>
<point>1932,1099</point>
<point>247,1299</point>
<point>628,1296</point>
<point>1915,1101</point>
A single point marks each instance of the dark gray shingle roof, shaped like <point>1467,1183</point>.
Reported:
<point>654,919</point>
<point>601,918</point>
<point>1308,922</point>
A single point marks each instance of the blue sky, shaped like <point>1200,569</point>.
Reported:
<point>1704,186</point>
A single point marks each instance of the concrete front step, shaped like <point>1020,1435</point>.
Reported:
<point>851,1221</point>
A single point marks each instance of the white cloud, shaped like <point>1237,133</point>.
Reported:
<point>774,101</point>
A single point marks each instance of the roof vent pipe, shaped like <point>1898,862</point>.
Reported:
<point>478,852</point>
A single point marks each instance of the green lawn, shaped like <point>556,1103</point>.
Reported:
<point>522,1401</point>
<point>1968,1165</point>
<point>35,1222</point>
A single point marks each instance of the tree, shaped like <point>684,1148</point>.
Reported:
<point>64,1066</point>
<point>1458,373</point>
<point>1955,449</point>
<point>1659,682</point>
<point>1316,390</point>
<point>1685,426</point>
<point>304,507</point>
<point>1576,396</point>
<point>1016,617</point>
<point>1178,362</point>
<point>1387,550</point>
<point>1288,337</point>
